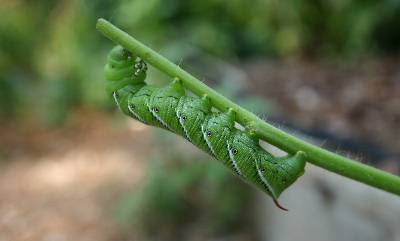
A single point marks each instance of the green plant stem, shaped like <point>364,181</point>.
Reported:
<point>315,155</point>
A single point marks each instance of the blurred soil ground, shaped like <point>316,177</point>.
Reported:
<point>63,184</point>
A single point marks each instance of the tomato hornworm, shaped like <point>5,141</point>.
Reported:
<point>193,118</point>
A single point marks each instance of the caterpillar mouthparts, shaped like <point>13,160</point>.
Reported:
<point>192,118</point>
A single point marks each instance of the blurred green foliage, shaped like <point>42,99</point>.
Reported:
<point>51,56</point>
<point>179,195</point>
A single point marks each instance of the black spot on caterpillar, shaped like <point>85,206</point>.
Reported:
<point>192,118</point>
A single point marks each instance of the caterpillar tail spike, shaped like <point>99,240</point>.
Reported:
<point>291,164</point>
<point>194,119</point>
<point>278,205</point>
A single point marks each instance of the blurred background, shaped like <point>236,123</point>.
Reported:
<point>72,167</point>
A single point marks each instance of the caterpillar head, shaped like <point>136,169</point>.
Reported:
<point>123,69</point>
<point>120,56</point>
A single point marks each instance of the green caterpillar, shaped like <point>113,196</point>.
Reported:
<point>192,118</point>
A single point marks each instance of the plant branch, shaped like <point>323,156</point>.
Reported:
<point>315,155</point>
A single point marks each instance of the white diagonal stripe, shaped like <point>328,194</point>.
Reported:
<point>265,182</point>
<point>116,99</point>
<point>232,157</point>
<point>207,141</point>
<point>181,122</point>
<point>135,114</point>
<point>158,117</point>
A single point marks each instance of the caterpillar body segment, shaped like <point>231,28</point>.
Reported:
<point>139,106</point>
<point>283,171</point>
<point>191,113</point>
<point>192,118</point>
<point>163,105</point>
<point>217,132</point>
